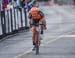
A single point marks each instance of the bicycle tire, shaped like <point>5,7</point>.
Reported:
<point>37,44</point>
<point>37,49</point>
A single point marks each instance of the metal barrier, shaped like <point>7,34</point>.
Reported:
<point>12,21</point>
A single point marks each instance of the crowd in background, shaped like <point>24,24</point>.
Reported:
<point>4,4</point>
<point>25,3</point>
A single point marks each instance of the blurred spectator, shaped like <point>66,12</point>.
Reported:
<point>60,2</point>
<point>10,0</point>
<point>25,4</point>
<point>18,4</point>
<point>5,2</point>
<point>0,5</point>
<point>55,1</point>
<point>9,4</point>
<point>51,3</point>
<point>28,6</point>
<point>14,3</point>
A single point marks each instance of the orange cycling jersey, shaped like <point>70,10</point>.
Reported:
<point>35,14</point>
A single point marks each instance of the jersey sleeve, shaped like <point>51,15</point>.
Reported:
<point>41,13</point>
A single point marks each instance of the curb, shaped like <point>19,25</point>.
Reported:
<point>13,33</point>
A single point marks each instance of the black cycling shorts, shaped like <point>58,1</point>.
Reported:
<point>35,22</point>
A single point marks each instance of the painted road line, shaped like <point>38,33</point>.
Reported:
<point>44,43</point>
<point>50,41</point>
<point>27,52</point>
<point>47,42</point>
<point>68,35</point>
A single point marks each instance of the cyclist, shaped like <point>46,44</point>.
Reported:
<point>36,17</point>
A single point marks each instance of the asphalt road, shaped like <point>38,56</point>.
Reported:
<point>58,40</point>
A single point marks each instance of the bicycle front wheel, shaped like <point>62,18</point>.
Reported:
<point>37,49</point>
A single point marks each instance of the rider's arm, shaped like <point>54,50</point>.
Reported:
<point>43,18</point>
<point>42,14</point>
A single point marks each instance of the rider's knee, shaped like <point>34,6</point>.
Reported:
<point>33,29</point>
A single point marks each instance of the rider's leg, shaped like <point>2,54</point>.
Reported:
<point>44,22</point>
<point>37,35</point>
<point>43,25</point>
<point>34,26</point>
<point>42,28</point>
<point>33,34</point>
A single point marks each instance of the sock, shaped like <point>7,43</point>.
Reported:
<point>33,43</point>
<point>41,32</point>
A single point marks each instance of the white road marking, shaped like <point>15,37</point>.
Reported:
<point>23,53</point>
<point>68,35</point>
